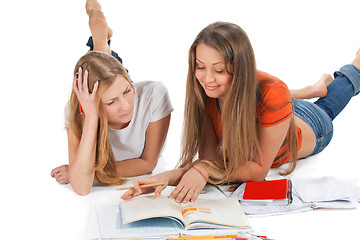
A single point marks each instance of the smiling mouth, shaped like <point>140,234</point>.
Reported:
<point>210,87</point>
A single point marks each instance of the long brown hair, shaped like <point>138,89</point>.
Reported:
<point>104,68</point>
<point>239,142</point>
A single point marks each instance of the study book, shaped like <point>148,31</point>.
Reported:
<point>106,220</point>
<point>276,192</point>
<point>224,213</point>
<point>305,194</point>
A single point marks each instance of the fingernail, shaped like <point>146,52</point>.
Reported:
<point>76,76</point>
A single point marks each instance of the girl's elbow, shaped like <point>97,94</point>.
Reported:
<point>150,166</point>
<point>252,176</point>
<point>260,176</point>
<point>80,188</point>
<point>149,169</point>
<point>82,191</point>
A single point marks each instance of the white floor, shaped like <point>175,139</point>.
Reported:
<point>42,40</point>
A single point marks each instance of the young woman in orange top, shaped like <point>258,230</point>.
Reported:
<point>240,122</point>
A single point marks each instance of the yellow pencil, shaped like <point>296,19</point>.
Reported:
<point>145,185</point>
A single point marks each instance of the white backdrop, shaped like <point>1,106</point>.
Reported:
<point>42,40</point>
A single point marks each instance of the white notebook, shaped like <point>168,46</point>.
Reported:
<point>307,194</point>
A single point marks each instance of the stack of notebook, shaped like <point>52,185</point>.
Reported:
<point>284,195</point>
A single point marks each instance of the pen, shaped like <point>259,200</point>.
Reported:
<point>145,185</point>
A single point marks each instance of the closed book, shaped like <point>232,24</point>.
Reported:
<point>268,192</point>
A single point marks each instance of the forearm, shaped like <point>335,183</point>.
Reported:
<point>173,176</point>
<point>270,142</point>
<point>176,175</point>
<point>81,164</point>
<point>134,167</point>
<point>139,166</point>
<point>250,171</point>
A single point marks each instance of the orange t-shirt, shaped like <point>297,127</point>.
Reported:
<point>274,108</point>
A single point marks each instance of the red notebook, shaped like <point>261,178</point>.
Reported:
<point>268,190</point>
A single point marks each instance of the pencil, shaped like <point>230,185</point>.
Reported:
<point>145,185</point>
<point>77,81</point>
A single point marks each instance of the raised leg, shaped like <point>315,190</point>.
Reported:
<point>99,28</point>
<point>319,89</point>
<point>342,89</point>
<point>356,60</point>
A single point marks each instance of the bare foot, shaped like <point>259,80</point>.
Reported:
<point>92,4</point>
<point>320,87</point>
<point>95,5</point>
<point>356,60</point>
<point>99,31</point>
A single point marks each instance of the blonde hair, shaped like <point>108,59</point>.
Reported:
<point>239,142</point>
<point>104,68</point>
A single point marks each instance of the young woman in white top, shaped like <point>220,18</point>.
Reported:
<point>115,129</point>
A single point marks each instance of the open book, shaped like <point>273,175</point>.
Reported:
<point>307,194</point>
<point>225,213</point>
<point>106,220</point>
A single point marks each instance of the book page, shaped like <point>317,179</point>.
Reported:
<point>150,206</point>
<point>93,230</point>
<point>111,225</point>
<point>214,213</point>
<point>325,189</point>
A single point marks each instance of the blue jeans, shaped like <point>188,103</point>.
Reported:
<point>320,114</point>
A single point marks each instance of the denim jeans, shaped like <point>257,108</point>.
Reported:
<point>320,114</point>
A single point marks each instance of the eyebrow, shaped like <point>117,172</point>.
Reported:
<point>212,64</point>
<point>111,99</point>
<point>127,88</point>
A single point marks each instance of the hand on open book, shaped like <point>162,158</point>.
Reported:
<point>137,190</point>
<point>188,181</point>
<point>190,186</point>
